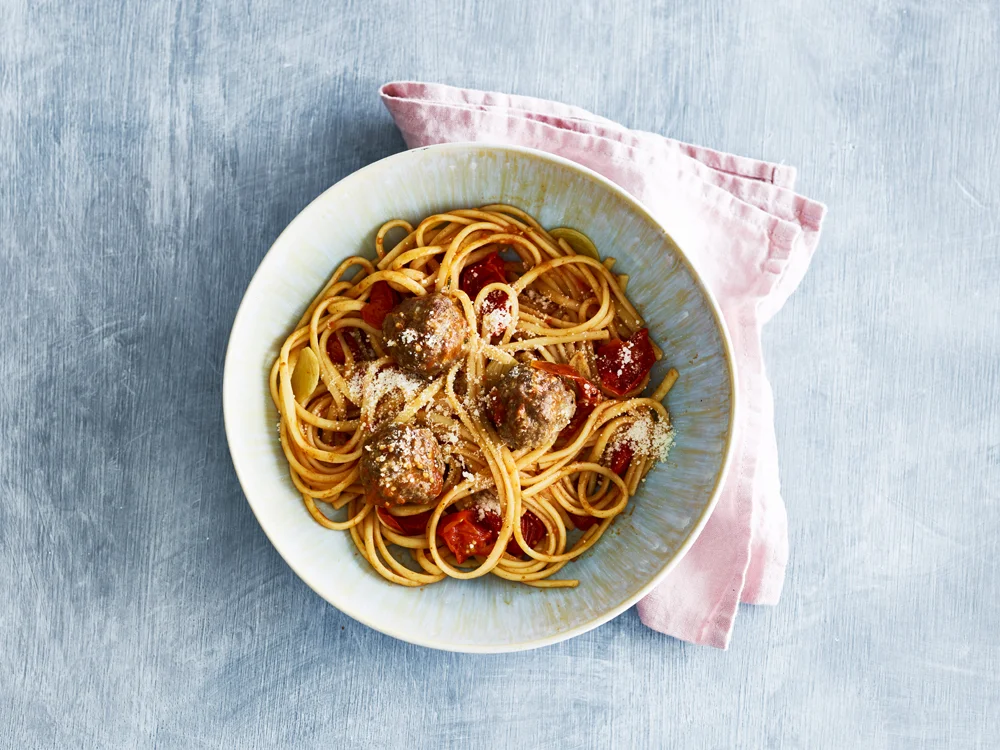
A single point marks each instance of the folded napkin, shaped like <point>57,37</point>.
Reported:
<point>751,238</point>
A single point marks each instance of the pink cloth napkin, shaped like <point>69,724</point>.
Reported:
<point>750,236</point>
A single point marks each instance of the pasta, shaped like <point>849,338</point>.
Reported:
<point>470,401</point>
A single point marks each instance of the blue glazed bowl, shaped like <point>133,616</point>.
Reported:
<point>673,503</point>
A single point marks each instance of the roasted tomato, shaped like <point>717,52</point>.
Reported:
<point>622,365</point>
<point>490,519</point>
<point>584,522</point>
<point>464,536</point>
<point>405,525</point>
<point>588,395</point>
<point>487,271</point>
<point>532,529</point>
<point>621,457</point>
<point>336,351</point>
<point>381,300</point>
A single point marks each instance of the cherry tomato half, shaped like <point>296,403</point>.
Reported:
<point>381,300</point>
<point>487,271</point>
<point>405,525</point>
<point>621,457</point>
<point>495,300</point>
<point>622,365</point>
<point>336,351</point>
<point>584,522</point>
<point>464,537</point>
<point>532,529</point>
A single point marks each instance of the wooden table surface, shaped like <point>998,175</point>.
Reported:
<point>151,152</point>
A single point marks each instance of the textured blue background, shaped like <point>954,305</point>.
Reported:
<point>149,154</point>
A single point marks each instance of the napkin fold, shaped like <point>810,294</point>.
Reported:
<point>751,237</point>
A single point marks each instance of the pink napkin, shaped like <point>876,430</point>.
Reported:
<point>750,236</point>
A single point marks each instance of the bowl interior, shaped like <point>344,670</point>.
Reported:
<point>486,614</point>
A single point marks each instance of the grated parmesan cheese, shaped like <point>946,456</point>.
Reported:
<point>487,503</point>
<point>626,356</point>
<point>645,437</point>
<point>496,321</point>
<point>387,381</point>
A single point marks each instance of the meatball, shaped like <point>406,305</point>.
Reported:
<point>529,407</point>
<point>402,464</point>
<point>425,335</point>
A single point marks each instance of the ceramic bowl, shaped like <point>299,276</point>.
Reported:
<point>676,498</point>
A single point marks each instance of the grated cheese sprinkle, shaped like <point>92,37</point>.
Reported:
<point>645,437</point>
<point>626,356</point>
<point>489,503</point>
<point>496,321</point>
<point>386,381</point>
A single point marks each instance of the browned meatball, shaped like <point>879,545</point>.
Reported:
<point>425,335</point>
<point>529,407</point>
<point>402,464</point>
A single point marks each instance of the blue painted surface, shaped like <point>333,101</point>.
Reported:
<point>151,152</point>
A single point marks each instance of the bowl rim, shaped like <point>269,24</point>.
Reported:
<point>241,464</point>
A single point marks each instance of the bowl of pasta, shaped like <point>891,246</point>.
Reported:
<point>478,398</point>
